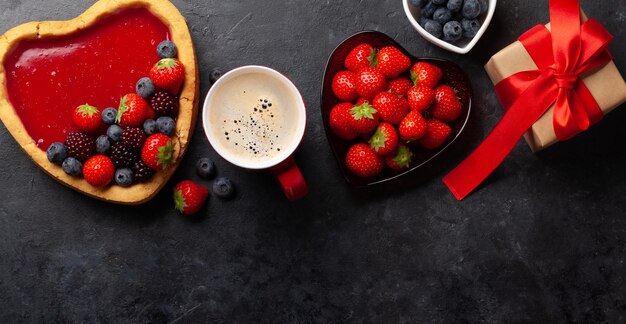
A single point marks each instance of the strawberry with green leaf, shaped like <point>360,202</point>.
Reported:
<point>189,197</point>
<point>362,56</point>
<point>133,111</point>
<point>364,118</point>
<point>385,139</point>
<point>158,152</point>
<point>401,159</point>
<point>168,74</point>
<point>87,118</point>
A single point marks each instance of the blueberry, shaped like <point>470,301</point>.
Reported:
<point>439,2</point>
<point>455,5</point>
<point>206,168</point>
<point>470,27</point>
<point>103,145</point>
<point>108,116</point>
<point>56,153</point>
<point>418,3</point>
<point>432,27</point>
<point>166,125</point>
<point>484,6</point>
<point>215,74</point>
<point>471,9</point>
<point>452,31</point>
<point>223,188</point>
<point>114,132</point>
<point>72,167</point>
<point>145,88</point>
<point>429,10</point>
<point>442,15</point>
<point>124,177</point>
<point>167,49</point>
<point>149,126</point>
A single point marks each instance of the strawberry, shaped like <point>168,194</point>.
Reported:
<point>344,86</point>
<point>392,62</point>
<point>369,82</point>
<point>385,139</point>
<point>363,161</point>
<point>420,98</point>
<point>340,118</point>
<point>413,126</point>
<point>425,74</point>
<point>87,118</point>
<point>447,106</point>
<point>399,86</point>
<point>364,118</point>
<point>133,111</point>
<point>360,57</point>
<point>401,159</point>
<point>98,171</point>
<point>391,108</point>
<point>436,134</point>
<point>189,197</point>
<point>158,152</point>
<point>168,74</point>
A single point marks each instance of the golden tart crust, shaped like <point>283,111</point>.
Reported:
<point>171,17</point>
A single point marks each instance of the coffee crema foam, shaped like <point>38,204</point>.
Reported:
<point>254,117</point>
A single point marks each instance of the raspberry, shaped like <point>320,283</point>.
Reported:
<point>79,146</point>
<point>123,156</point>
<point>142,172</point>
<point>164,104</point>
<point>133,137</point>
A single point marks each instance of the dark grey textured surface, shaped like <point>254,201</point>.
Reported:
<point>544,241</point>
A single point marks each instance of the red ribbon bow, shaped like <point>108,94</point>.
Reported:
<point>561,56</point>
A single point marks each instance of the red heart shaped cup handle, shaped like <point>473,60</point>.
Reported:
<point>290,178</point>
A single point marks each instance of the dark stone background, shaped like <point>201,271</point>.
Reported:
<point>542,242</point>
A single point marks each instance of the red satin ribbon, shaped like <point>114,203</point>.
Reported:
<point>561,56</point>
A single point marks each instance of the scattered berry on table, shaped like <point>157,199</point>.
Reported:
<point>364,118</point>
<point>470,27</point>
<point>87,118</point>
<point>103,145</point>
<point>124,177</point>
<point>189,197</point>
<point>98,171</point>
<point>413,126</point>
<point>340,121</point>
<point>399,86</point>
<point>452,31</point>
<point>168,74</point>
<point>363,161</point>
<point>79,146</point>
<point>360,57</point>
<point>114,132</point>
<point>133,137</point>
<point>454,5</point>
<point>149,126</point>
<point>436,134</point>
<point>429,9</point>
<point>392,62</point>
<point>447,106</point>
<point>442,15</point>
<point>223,188</point>
<point>390,108</point>
<point>205,168</point>
<point>122,156</point>
<point>56,153</point>
<point>133,111</point>
<point>72,167</point>
<point>166,125</point>
<point>385,139</point>
<point>167,49</point>
<point>401,159</point>
<point>145,88</point>
<point>108,116</point>
<point>420,98</point>
<point>215,74</point>
<point>370,81</point>
<point>471,9</point>
<point>344,86</point>
<point>425,74</point>
<point>164,104</point>
<point>432,27</point>
<point>142,172</point>
<point>158,152</point>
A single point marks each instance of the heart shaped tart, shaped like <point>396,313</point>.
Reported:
<point>50,70</point>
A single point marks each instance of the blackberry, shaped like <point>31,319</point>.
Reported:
<point>133,137</point>
<point>122,156</point>
<point>164,104</point>
<point>142,172</point>
<point>79,146</point>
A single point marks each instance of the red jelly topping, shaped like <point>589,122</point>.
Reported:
<point>48,78</point>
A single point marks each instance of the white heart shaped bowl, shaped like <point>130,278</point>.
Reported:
<point>462,46</point>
